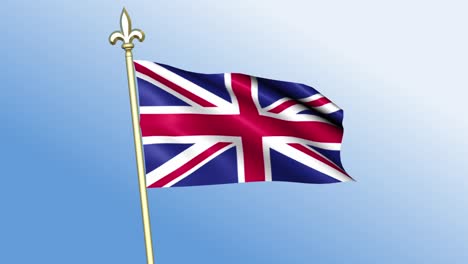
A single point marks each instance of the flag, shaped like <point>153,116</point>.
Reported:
<point>203,129</point>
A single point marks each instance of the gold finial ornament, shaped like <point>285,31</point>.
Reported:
<point>126,35</point>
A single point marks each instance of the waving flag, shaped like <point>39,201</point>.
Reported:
<point>201,129</point>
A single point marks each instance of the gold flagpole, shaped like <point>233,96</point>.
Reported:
<point>126,35</point>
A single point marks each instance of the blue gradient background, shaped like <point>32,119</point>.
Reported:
<point>69,187</point>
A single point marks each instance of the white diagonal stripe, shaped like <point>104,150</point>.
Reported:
<point>203,143</point>
<point>327,108</point>
<point>310,162</point>
<point>176,162</point>
<point>275,104</point>
<point>187,173</point>
<point>311,98</point>
<point>165,88</point>
<point>184,83</point>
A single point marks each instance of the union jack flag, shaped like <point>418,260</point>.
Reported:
<point>202,129</point>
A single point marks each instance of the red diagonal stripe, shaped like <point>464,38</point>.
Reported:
<point>281,107</point>
<point>142,69</point>
<point>189,165</point>
<point>314,155</point>
<point>319,102</point>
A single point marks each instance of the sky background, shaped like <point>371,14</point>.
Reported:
<point>69,190</point>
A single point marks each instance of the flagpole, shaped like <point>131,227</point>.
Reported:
<point>126,35</point>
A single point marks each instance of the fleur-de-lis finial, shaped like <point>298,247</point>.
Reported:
<point>126,33</point>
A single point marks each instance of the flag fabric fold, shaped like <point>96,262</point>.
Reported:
<point>203,129</point>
